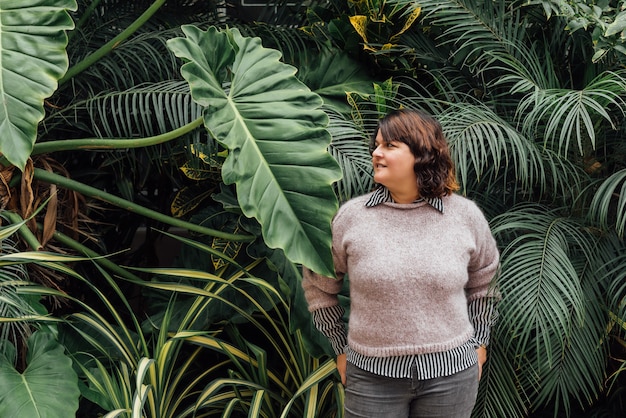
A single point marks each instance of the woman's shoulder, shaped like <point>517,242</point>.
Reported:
<point>357,201</point>
<point>353,205</point>
<point>462,205</point>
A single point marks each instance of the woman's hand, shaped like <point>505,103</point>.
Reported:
<point>341,367</point>
<point>482,358</point>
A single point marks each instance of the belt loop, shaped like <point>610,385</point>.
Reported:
<point>414,381</point>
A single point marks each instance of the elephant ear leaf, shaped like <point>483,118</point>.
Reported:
<point>32,60</point>
<point>48,387</point>
<point>275,133</point>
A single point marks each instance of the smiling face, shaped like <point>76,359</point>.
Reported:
<point>394,168</point>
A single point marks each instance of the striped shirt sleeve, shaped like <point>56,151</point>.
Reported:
<point>483,315</point>
<point>330,323</point>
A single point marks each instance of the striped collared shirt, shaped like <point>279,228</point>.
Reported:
<point>482,315</point>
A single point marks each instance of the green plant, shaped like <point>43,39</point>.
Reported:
<point>115,357</point>
<point>47,385</point>
<point>259,161</point>
<point>535,122</point>
<point>128,368</point>
<point>269,370</point>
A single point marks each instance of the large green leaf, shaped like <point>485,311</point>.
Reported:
<point>48,387</point>
<point>332,74</point>
<point>33,59</point>
<point>276,135</point>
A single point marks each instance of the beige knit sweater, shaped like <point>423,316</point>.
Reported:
<point>412,272</point>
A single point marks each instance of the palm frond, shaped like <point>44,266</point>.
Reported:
<point>580,354</point>
<point>529,70</point>
<point>471,28</point>
<point>499,394</point>
<point>141,59</point>
<point>144,110</point>
<point>552,305</point>
<point>565,117</point>
<point>296,45</point>
<point>350,147</point>
<point>561,174</point>
<point>12,303</point>
<point>608,206</point>
<point>490,196</point>
<point>539,280</point>
<point>480,140</point>
<point>612,273</point>
<point>487,148</point>
<point>549,57</point>
<point>438,89</point>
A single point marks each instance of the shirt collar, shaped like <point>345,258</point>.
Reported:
<point>382,195</point>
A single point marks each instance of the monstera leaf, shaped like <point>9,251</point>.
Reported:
<point>276,137</point>
<point>47,388</point>
<point>32,60</point>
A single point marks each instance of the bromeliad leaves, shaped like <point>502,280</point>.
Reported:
<point>276,135</point>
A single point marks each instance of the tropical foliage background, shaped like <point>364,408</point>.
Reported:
<point>168,166</point>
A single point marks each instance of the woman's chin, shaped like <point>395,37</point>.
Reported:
<point>379,180</point>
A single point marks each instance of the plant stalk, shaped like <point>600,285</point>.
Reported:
<point>24,231</point>
<point>95,257</point>
<point>121,143</point>
<point>113,43</point>
<point>95,193</point>
<point>84,17</point>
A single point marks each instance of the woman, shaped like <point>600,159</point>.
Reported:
<point>420,260</point>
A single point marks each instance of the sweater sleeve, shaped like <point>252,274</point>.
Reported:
<point>482,293</point>
<point>321,291</point>
<point>484,262</point>
<point>321,295</point>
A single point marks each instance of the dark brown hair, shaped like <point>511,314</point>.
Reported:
<point>423,134</point>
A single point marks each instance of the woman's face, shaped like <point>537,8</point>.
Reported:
<point>393,165</point>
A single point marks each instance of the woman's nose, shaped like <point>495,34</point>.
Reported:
<point>377,151</point>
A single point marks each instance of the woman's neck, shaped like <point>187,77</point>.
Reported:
<point>404,196</point>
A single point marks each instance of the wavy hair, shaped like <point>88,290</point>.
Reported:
<point>423,135</point>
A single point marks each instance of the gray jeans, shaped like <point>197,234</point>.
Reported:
<point>372,396</point>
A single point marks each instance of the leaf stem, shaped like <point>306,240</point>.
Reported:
<point>24,231</point>
<point>119,143</point>
<point>113,43</point>
<point>86,15</point>
<point>95,257</point>
<point>95,193</point>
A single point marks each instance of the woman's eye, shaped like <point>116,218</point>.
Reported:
<point>384,145</point>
